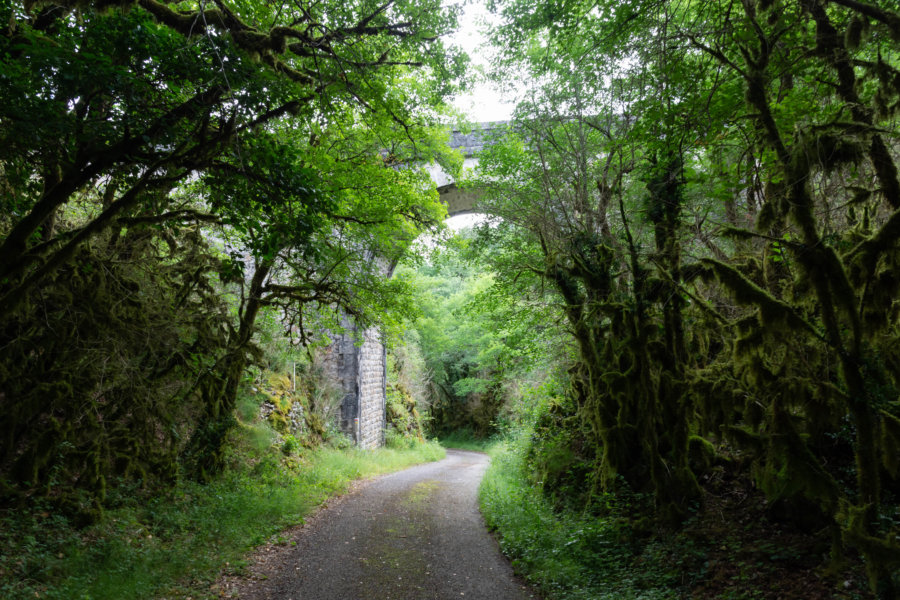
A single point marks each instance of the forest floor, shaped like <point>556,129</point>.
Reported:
<point>407,536</point>
<point>767,552</point>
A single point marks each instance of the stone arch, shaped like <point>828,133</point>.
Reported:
<point>362,369</point>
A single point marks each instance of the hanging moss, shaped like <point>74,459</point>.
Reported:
<point>97,366</point>
<point>890,443</point>
<point>773,312</point>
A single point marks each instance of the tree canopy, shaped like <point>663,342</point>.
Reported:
<point>708,191</point>
<point>169,169</point>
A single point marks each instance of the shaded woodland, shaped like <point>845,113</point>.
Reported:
<point>709,193</point>
<point>170,171</point>
<point>693,238</point>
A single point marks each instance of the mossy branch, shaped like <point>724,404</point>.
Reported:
<point>886,17</point>
<point>866,254</point>
<point>746,292</point>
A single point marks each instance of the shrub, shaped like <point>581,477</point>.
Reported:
<point>290,445</point>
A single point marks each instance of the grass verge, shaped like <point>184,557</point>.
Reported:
<point>567,555</point>
<point>464,439</point>
<point>173,546</point>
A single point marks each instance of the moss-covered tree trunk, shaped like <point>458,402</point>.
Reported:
<point>629,379</point>
<point>826,283</point>
<point>220,390</point>
<point>676,483</point>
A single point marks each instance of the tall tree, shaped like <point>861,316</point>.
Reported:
<point>257,142</point>
<point>759,131</point>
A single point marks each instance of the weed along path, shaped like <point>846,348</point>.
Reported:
<point>413,535</point>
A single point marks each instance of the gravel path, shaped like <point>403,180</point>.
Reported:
<point>413,535</point>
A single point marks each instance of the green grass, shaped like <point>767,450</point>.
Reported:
<point>465,440</point>
<point>569,556</point>
<point>175,545</point>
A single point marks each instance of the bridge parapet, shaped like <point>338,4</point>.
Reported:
<point>476,139</point>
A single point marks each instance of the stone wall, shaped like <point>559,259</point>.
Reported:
<point>371,390</point>
<point>361,371</point>
<point>341,364</point>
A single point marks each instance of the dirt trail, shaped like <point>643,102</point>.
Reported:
<point>412,535</point>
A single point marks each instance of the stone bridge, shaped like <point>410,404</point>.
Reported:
<point>362,369</point>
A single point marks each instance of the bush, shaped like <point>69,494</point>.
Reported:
<point>567,555</point>
<point>399,441</point>
<point>290,445</point>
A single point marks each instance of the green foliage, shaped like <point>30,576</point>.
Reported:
<point>91,396</point>
<point>475,345</point>
<point>402,414</point>
<point>397,441</point>
<point>290,445</point>
<point>175,544</point>
<point>694,186</point>
<point>562,458</point>
<point>563,240</point>
<point>465,439</point>
<point>167,174</point>
<point>406,397</point>
<point>570,555</point>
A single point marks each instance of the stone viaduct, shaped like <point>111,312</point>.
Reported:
<point>361,369</point>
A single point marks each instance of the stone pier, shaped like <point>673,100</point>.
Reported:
<point>361,368</point>
<point>362,373</point>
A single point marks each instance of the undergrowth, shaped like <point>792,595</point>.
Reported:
<point>174,545</point>
<point>567,555</point>
<point>736,547</point>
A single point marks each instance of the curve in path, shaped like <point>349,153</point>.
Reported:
<point>413,535</point>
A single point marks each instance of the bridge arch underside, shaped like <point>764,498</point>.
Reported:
<point>458,202</point>
<point>361,369</point>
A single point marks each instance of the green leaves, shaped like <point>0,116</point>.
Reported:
<point>655,137</point>
<point>151,132</point>
<point>267,196</point>
<point>475,338</point>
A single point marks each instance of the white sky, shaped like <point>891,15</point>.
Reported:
<point>484,102</point>
<point>462,221</point>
